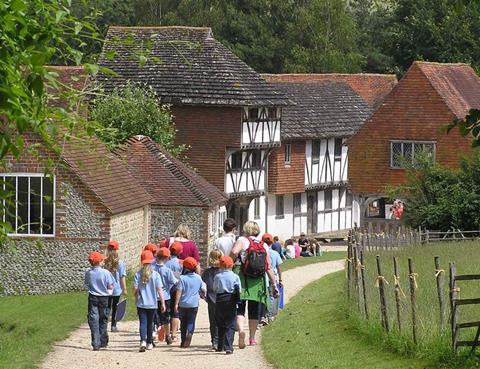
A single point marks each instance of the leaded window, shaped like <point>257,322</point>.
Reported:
<point>404,154</point>
<point>288,153</point>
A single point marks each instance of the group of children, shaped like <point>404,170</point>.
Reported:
<point>167,292</point>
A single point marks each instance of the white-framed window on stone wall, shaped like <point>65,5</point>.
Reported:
<point>256,208</point>
<point>404,154</point>
<point>29,207</point>
<point>288,154</point>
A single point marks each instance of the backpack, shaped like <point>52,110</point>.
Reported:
<point>255,264</point>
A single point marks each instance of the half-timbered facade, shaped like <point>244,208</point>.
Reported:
<point>225,112</point>
<point>308,174</point>
<point>411,120</point>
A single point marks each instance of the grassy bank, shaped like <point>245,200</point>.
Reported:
<point>29,325</point>
<point>434,343</point>
<point>327,256</point>
<point>314,332</point>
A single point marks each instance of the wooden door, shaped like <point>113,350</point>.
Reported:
<point>312,212</point>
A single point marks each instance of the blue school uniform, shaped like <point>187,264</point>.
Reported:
<point>167,277</point>
<point>175,266</point>
<point>121,272</point>
<point>225,282</point>
<point>97,281</point>
<point>191,284</point>
<point>147,293</point>
<point>276,260</point>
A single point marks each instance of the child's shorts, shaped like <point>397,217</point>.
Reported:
<point>164,318</point>
<point>172,309</point>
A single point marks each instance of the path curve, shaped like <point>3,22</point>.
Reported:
<point>75,352</point>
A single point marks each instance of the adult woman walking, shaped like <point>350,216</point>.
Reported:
<point>190,249</point>
<point>254,289</point>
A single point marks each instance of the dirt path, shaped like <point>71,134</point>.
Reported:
<point>75,352</point>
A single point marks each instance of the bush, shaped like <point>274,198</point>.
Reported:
<point>135,110</point>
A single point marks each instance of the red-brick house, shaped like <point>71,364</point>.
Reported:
<point>179,194</point>
<point>307,175</point>
<point>227,114</point>
<point>411,119</point>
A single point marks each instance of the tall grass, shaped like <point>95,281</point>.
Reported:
<point>433,342</point>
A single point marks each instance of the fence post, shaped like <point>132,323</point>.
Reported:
<point>362,266</point>
<point>453,306</point>
<point>413,298</point>
<point>383,301</point>
<point>427,236</point>
<point>349,263</point>
<point>439,277</point>
<point>397,292</point>
<point>356,275</point>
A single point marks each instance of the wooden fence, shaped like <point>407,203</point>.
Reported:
<point>357,292</point>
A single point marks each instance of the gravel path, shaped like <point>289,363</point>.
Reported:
<point>75,352</point>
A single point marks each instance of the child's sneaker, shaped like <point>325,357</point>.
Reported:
<point>150,346</point>
<point>253,342</point>
<point>169,339</point>
<point>228,352</point>
<point>188,340</point>
<point>114,328</point>
<point>143,346</point>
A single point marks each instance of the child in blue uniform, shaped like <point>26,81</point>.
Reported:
<point>119,271</point>
<point>227,288</point>
<point>99,283</point>
<point>168,281</point>
<point>188,296</point>
<point>175,265</point>
<point>148,293</point>
<point>208,277</point>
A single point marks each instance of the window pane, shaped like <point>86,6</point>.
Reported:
<point>22,191</point>
<point>256,159</point>
<point>315,150</point>
<point>349,198</point>
<point>47,226</point>
<point>396,154</point>
<point>407,153</point>
<point>288,153</point>
<point>328,199</point>
<point>10,201</point>
<point>338,147</point>
<point>418,149</point>
<point>237,160</point>
<point>429,150</point>
<point>297,201</point>
<point>252,114</point>
<point>272,113</point>
<point>35,195</point>
<point>279,207</point>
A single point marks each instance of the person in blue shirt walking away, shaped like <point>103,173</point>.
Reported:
<point>188,296</point>
<point>119,271</point>
<point>168,281</point>
<point>99,283</point>
<point>175,264</point>
<point>227,288</point>
<point>276,260</point>
<point>208,277</point>
<point>149,295</point>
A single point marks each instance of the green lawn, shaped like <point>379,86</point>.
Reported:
<point>30,324</point>
<point>314,332</point>
<point>327,256</point>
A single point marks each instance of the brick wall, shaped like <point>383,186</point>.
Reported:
<point>130,229</point>
<point>208,131</point>
<point>284,179</point>
<point>412,111</point>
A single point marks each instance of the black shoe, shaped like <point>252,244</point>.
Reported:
<point>228,352</point>
<point>104,345</point>
<point>96,349</point>
<point>188,340</point>
<point>168,339</point>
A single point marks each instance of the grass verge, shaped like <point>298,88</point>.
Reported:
<point>313,332</point>
<point>29,325</point>
<point>299,262</point>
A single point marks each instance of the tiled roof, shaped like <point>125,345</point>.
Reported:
<point>185,65</point>
<point>72,76</point>
<point>323,109</point>
<point>167,179</point>
<point>372,88</point>
<point>457,84</point>
<point>105,175</point>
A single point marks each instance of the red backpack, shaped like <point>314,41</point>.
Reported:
<point>255,264</point>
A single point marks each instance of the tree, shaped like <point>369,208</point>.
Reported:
<point>32,32</point>
<point>325,37</point>
<point>135,110</point>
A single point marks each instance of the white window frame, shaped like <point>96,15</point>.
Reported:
<point>31,175</point>
<point>413,142</point>
<point>288,154</point>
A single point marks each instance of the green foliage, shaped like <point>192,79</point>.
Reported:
<point>135,110</point>
<point>440,198</point>
<point>469,126</point>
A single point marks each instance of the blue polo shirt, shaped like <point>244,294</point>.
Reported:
<point>175,266</point>
<point>276,261</point>
<point>121,272</point>
<point>147,293</point>
<point>226,281</point>
<point>191,285</point>
<point>167,277</point>
<point>97,281</point>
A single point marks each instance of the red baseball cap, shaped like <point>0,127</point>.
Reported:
<point>190,263</point>
<point>95,257</point>
<point>226,262</point>
<point>164,243</point>
<point>177,247</point>
<point>147,257</point>
<point>163,252</point>
<point>113,245</point>
<point>267,237</point>
<point>151,247</point>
